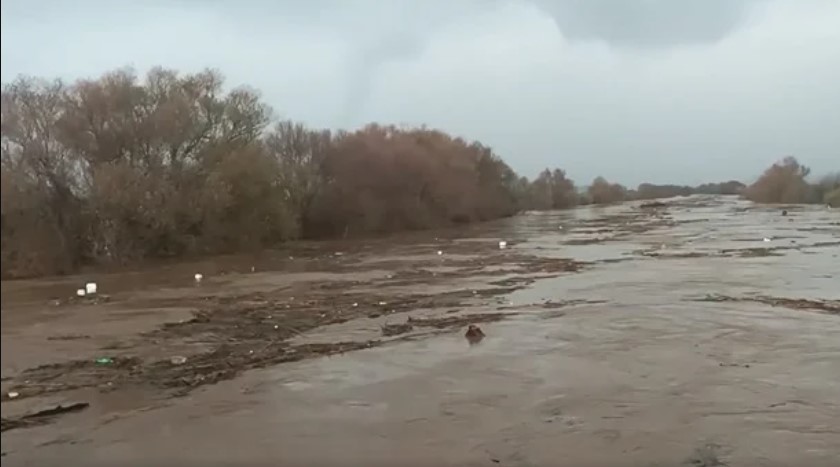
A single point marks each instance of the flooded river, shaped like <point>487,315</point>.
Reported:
<point>703,332</point>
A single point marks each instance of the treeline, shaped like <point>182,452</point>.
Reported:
<point>119,168</point>
<point>553,190</point>
<point>787,182</point>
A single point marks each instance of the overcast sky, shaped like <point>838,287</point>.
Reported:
<point>639,90</point>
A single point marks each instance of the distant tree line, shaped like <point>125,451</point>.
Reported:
<point>553,190</point>
<point>119,169</point>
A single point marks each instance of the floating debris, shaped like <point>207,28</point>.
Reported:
<point>178,360</point>
<point>827,306</point>
<point>198,277</point>
<point>59,409</point>
<point>68,337</point>
<point>389,330</point>
<point>502,245</point>
<point>81,292</point>
<point>90,288</point>
<point>739,365</point>
<point>42,416</point>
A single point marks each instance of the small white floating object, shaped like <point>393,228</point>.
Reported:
<point>253,268</point>
<point>80,292</point>
<point>178,360</point>
<point>90,288</point>
<point>198,277</point>
<point>440,252</point>
<point>766,239</point>
<point>13,394</point>
<point>382,303</point>
<point>560,227</point>
<point>355,305</point>
<point>502,245</point>
<point>276,326</point>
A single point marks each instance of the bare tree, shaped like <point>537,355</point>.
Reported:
<point>783,182</point>
<point>603,192</point>
<point>122,168</point>
<point>300,153</point>
<point>42,178</point>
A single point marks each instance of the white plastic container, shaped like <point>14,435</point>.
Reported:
<point>90,288</point>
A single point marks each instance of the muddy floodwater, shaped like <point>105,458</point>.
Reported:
<point>704,331</point>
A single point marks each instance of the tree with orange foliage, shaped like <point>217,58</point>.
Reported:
<point>603,192</point>
<point>783,182</point>
<point>119,168</point>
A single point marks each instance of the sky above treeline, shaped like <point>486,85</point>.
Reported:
<point>663,91</point>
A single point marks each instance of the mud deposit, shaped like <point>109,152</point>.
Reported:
<point>692,331</point>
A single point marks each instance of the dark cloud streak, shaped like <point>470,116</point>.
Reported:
<point>647,23</point>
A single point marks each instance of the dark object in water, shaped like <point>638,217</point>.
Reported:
<point>474,334</point>
<point>41,417</point>
<point>784,212</point>
<point>389,330</point>
<point>59,409</point>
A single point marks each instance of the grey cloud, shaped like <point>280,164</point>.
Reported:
<point>647,23</point>
<point>363,65</point>
<point>647,90</point>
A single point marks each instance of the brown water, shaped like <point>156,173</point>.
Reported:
<point>649,372</point>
